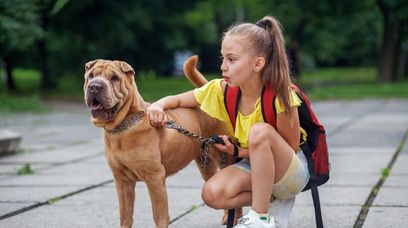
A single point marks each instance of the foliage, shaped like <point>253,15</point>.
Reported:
<point>19,26</point>
<point>25,169</point>
<point>147,33</point>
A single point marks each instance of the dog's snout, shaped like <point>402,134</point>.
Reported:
<point>95,88</point>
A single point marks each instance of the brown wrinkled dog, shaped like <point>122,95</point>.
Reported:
<point>136,151</point>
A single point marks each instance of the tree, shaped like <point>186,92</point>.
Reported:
<point>395,18</point>
<point>47,10</point>
<point>19,28</point>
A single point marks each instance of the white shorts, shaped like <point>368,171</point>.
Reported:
<point>293,181</point>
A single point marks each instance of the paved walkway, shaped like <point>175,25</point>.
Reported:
<point>72,185</point>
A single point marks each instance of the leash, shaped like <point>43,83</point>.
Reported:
<point>205,143</point>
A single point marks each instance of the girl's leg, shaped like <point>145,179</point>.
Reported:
<point>270,157</point>
<point>228,188</point>
<point>232,187</point>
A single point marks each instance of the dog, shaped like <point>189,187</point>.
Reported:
<point>136,151</point>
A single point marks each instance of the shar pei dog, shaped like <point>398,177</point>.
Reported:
<point>136,151</point>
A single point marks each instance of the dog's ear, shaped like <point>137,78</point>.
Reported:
<point>126,67</point>
<point>90,64</point>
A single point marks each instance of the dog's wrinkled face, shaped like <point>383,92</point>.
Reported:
<point>106,87</point>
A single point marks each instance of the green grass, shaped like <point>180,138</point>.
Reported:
<point>325,83</point>
<point>12,103</point>
<point>339,75</point>
<point>349,83</point>
<point>152,88</point>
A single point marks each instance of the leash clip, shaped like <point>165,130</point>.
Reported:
<point>170,124</point>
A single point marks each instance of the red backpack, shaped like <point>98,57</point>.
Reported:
<point>315,147</point>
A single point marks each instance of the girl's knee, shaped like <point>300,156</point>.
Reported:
<point>261,133</point>
<point>212,195</point>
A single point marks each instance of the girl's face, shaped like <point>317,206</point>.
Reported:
<point>237,63</point>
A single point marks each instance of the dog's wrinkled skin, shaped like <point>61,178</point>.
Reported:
<point>142,152</point>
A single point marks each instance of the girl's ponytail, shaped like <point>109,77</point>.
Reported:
<point>276,71</point>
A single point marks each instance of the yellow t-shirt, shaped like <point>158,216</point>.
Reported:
<point>211,100</point>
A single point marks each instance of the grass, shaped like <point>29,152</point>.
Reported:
<point>25,169</point>
<point>11,103</point>
<point>320,84</point>
<point>349,83</point>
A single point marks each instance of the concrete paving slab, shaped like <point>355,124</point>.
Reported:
<point>359,150</point>
<point>92,168</point>
<point>336,196</point>
<point>362,138</point>
<point>336,216</point>
<point>55,180</point>
<point>400,167</point>
<point>201,217</point>
<point>363,135</point>
<point>8,170</point>
<point>349,179</point>
<point>396,181</point>
<point>33,194</point>
<point>390,217</point>
<point>373,164</point>
<point>99,208</point>
<point>395,197</point>
<point>6,207</point>
<point>53,156</point>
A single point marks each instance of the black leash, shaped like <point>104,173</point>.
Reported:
<point>205,144</point>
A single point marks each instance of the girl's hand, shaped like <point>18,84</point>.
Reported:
<point>156,114</point>
<point>228,147</point>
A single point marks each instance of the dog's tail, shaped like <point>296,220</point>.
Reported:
<point>191,72</point>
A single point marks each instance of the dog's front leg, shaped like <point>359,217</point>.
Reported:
<point>158,196</point>
<point>125,190</point>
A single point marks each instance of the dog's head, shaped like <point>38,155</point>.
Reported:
<point>108,86</point>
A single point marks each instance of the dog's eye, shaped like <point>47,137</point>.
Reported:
<point>115,78</point>
<point>90,76</point>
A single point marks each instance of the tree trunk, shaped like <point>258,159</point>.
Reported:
<point>46,82</point>
<point>404,65</point>
<point>294,49</point>
<point>391,46</point>
<point>402,54</point>
<point>8,66</point>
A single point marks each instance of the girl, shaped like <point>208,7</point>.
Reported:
<point>273,166</point>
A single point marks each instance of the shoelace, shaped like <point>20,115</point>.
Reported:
<point>242,220</point>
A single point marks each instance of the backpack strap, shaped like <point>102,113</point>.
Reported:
<point>268,98</point>
<point>232,95</point>
<point>313,185</point>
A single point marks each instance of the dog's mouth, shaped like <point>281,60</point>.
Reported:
<point>99,112</point>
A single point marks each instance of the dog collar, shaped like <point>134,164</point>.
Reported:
<point>127,123</point>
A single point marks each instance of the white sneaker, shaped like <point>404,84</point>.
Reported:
<point>280,209</point>
<point>252,220</point>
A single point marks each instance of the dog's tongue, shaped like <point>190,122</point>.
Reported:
<point>96,106</point>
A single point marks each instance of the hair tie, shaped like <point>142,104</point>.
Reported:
<point>261,24</point>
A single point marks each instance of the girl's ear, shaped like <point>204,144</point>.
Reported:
<point>259,63</point>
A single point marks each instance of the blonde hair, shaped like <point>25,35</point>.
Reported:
<point>266,39</point>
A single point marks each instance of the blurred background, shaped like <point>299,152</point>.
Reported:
<point>337,49</point>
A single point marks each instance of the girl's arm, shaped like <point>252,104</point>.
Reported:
<point>289,127</point>
<point>156,113</point>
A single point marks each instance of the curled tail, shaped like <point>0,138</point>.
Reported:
<point>191,72</point>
